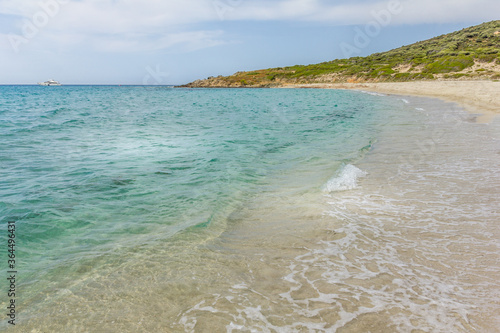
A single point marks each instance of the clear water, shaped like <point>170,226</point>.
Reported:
<point>143,209</point>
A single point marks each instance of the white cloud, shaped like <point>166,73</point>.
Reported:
<point>23,8</point>
<point>448,11</point>
<point>129,25</point>
<point>351,13</point>
<point>184,41</point>
<point>117,16</point>
<point>106,16</point>
<point>115,26</point>
<point>5,45</point>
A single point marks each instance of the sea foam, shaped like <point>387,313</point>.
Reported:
<point>347,179</point>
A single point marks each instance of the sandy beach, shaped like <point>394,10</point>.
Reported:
<point>475,96</point>
<point>284,210</point>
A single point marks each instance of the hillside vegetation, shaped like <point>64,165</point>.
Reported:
<point>469,54</point>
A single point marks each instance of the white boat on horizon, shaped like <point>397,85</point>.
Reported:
<point>49,83</point>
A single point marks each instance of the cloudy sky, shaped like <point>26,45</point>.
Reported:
<point>177,41</point>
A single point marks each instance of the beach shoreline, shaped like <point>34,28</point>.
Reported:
<point>304,244</point>
<point>475,96</point>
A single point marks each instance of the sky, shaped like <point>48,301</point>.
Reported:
<point>159,42</point>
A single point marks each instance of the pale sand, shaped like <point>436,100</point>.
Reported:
<point>475,96</point>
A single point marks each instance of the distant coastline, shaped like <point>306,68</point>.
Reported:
<point>461,67</point>
<point>469,54</point>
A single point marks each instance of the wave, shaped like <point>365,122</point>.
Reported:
<point>347,179</point>
<point>372,93</point>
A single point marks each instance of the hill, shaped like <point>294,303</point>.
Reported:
<point>469,54</point>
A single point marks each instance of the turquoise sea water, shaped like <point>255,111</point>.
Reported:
<point>111,183</point>
<point>90,169</point>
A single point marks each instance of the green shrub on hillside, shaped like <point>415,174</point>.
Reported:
<point>487,57</point>
<point>449,64</point>
<point>446,55</point>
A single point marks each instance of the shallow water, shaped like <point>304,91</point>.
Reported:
<point>142,209</point>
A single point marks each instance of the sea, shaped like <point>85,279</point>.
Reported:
<point>162,209</point>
